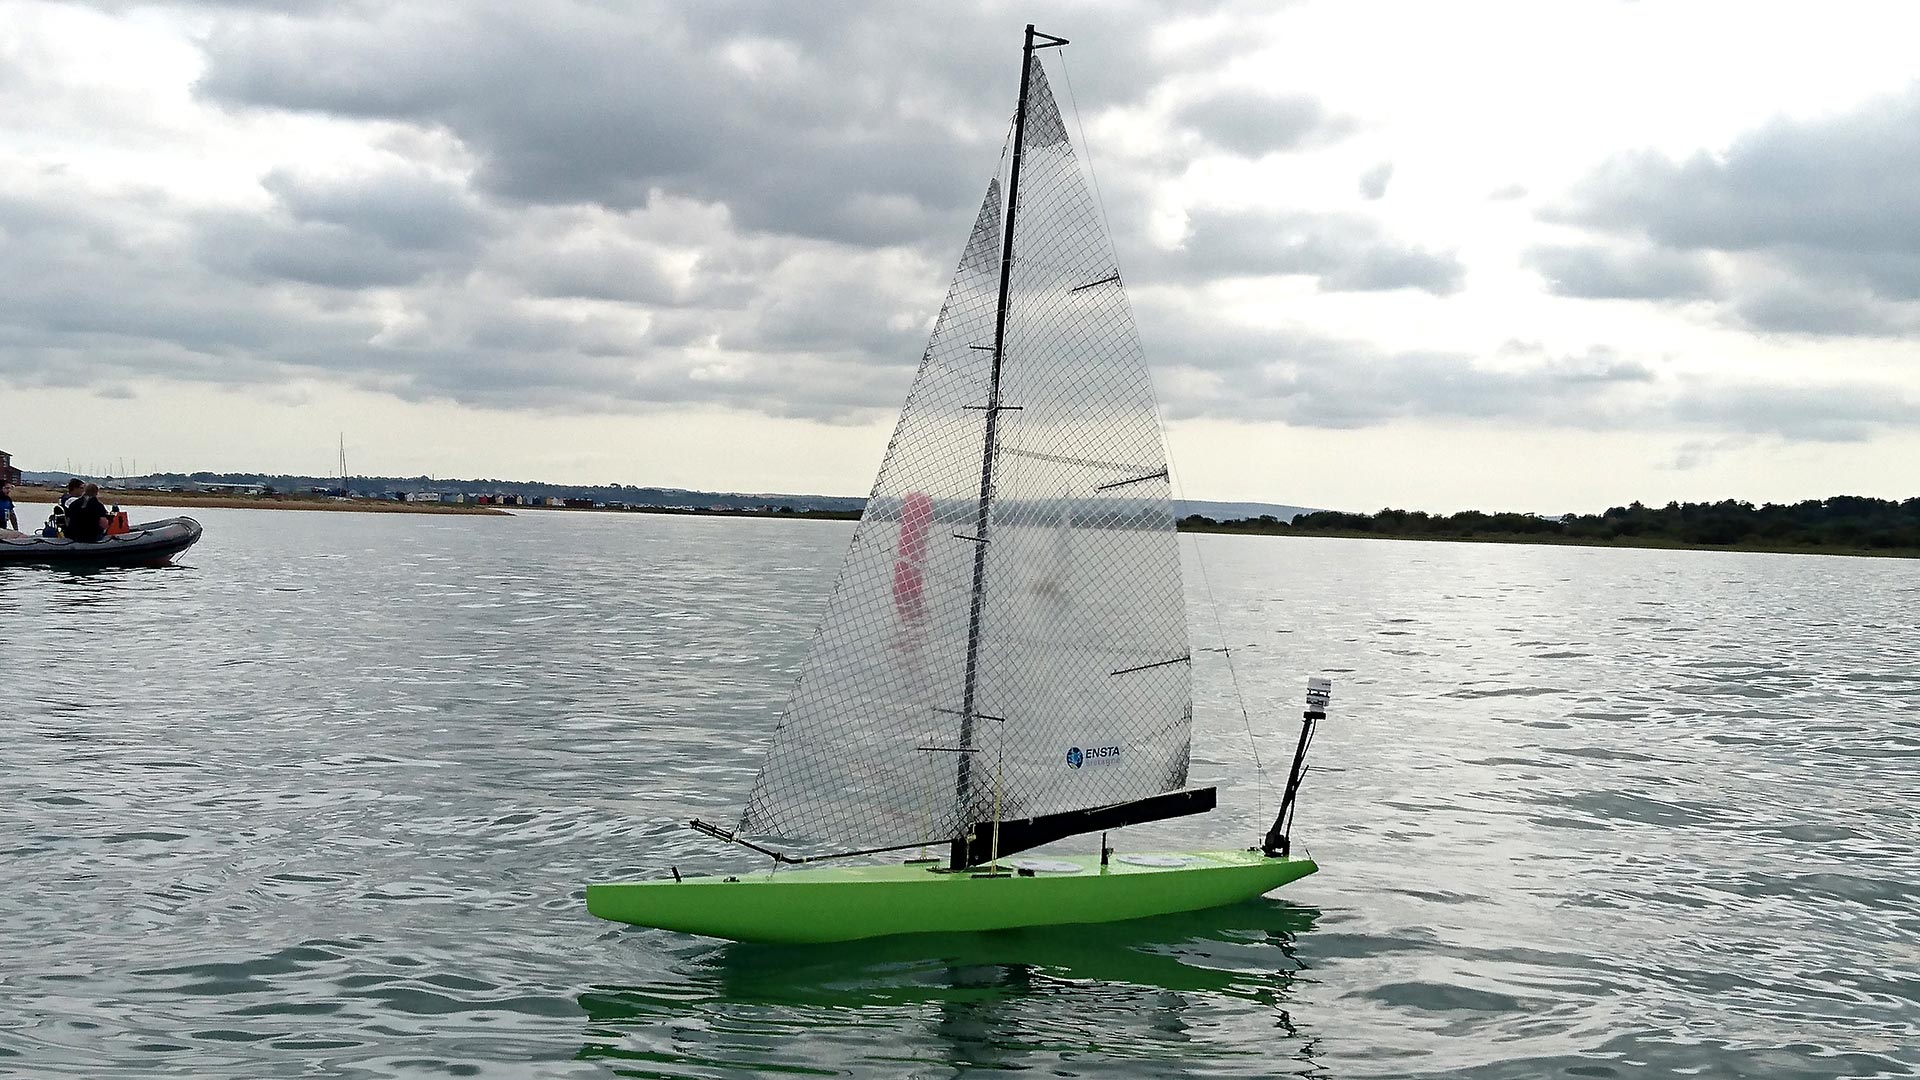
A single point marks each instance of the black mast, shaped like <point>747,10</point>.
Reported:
<point>963,780</point>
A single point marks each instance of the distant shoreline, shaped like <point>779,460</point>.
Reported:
<point>27,495</point>
<point>784,513</point>
<point>33,495</point>
<point>1643,543</point>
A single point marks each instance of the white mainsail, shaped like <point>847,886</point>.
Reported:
<point>1080,675</point>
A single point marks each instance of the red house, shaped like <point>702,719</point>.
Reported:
<point>8,474</point>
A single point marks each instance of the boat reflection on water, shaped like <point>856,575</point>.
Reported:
<point>1141,990</point>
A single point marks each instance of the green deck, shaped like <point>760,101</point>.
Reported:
<point>847,903</point>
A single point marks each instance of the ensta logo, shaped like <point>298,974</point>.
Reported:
<point>1083,757</point>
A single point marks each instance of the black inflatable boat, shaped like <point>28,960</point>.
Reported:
<point>152,543</point>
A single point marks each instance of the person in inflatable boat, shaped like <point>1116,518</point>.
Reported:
<point>87,517</point>
<point>57,521</point>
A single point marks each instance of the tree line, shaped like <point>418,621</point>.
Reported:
<point>1848,522</point>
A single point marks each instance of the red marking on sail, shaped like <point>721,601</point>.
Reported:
<point>916,517</point>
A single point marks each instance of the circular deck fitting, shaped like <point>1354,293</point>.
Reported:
<point>1155,860</point>
<point>1046,866</point>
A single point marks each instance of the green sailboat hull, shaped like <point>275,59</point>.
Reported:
<point>849,903</point>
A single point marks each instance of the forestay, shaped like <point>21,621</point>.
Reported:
<point>1081,687</point>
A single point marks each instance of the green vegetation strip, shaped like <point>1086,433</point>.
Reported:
<point>1843,525</point>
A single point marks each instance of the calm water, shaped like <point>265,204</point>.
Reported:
<point>321,802</point>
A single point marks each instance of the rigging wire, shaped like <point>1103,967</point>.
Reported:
<point>1220,631</point>
<point>1092,173</point>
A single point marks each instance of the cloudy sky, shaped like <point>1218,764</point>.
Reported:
<point>1517,256</point>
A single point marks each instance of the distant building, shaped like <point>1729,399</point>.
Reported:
<point>233,489</point>
<point>423,496</point>
<point>8,474</point>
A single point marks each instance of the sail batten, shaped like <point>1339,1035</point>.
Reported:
<point>1017,552</point>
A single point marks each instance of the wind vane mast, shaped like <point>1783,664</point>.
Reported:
<point>1279,839</point>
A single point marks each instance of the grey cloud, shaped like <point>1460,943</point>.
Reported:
<point>247,247</point>
<point>824,345</point>
<point>828,315</point>
<point>740,294</point>
<point>278,7</point>
<point>745,205</point>
<point>1888,273</point>
<point>756,206</point>
<point>598,269</point>
<point>327,257</point>
<point>680,329</point>
<point>1573,391</point>
<point>402,209</point>
<point>1344,253</point>
<point>349,232</point>
<point>1830,205</point>
<point>1300,378</point>
<point>1849,182</point>
<point>86,278</point>
<point>795,117</point>
<point>1629,273</point>
<point>1375,267</point>
<point>1694,453</point>
<point>672,254</point>
<point>1822,413</point>
<point>1256,124</point>
<point>590,255</point>
<point>491,347</point>
<point>1813,308</point>
<point>570,104</point>
<point>1373,182</point>
<point>193,304</point>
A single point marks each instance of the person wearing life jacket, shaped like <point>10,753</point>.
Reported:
<point>9,520</point>
<point>59,519</point>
